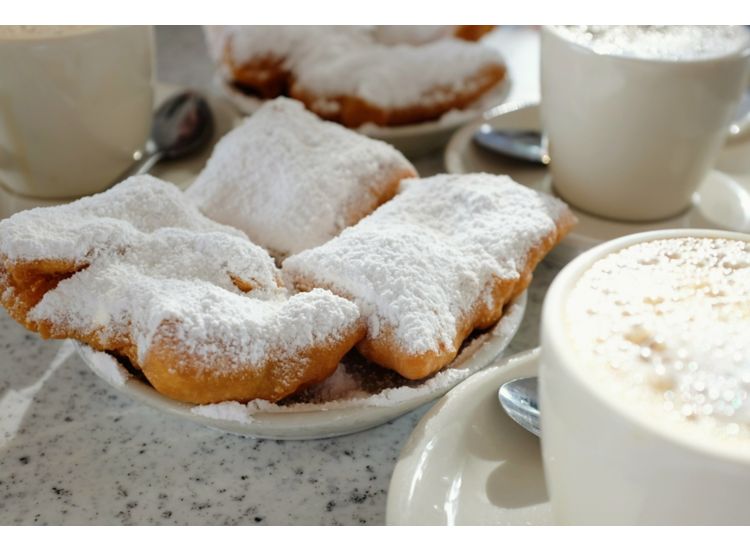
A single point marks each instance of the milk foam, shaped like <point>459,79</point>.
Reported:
<point>664,327</point>
<point>659,42</point>
<point>37,32</point>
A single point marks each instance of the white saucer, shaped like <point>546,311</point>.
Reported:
<point>328,418</point>
<point>721,202</point>
<point>468,463</point>
<point>413,140</point>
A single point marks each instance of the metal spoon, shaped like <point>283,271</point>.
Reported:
<point>526,145</point>
<point>182,125</point>
<point>519,398</point>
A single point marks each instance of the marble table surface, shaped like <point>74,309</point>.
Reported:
<point>72,451</point>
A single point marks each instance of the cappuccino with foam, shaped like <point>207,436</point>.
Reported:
<point>665,42</point>
<point>644,381</point>
<point>664,327</point>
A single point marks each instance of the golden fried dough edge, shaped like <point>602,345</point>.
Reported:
<point>472,33</point>
<point>23,283</point>
<point>354,111</point>
<point>182,375</point>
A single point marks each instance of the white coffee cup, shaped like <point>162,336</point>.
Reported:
<point>75,105</point>
<point>605,461</point>
<point>630,137</point>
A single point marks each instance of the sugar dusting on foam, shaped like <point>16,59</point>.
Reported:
<point>292,181</point>
<point>420,262</point>
<point>665,325</point>
<point>148,256</point>
<point>667,42</point>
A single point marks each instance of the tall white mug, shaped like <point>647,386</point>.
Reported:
<point>609,458</point>
<point>631,137</point>
<point>75,105</point>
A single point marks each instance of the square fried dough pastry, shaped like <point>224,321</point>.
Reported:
<point>139,272</point>
<point>439,260</point>
<point>291,181</point>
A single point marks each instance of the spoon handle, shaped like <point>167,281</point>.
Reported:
<point>520,400</point>
<point>526,145</point>
<point>146,163</point>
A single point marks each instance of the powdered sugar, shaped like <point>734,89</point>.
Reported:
<point>420,262</point>
<point>411,34</point>
<point>111,220</point>
<point>151,258</point>
<point>396,76</point>
<point>106,366</point>
<point>174,276</point>
<point>288,43</point>
<point>291,181</point>
<point>349,61</point>
<point>231,411</point>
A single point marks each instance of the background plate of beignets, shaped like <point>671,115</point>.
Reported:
<point>137,271</point>
<point>219,38</point>
<point>436,262</point>
<point>291,181</point>
<point>394,85</point>
<point>388,76</point>
<point>410,86</point>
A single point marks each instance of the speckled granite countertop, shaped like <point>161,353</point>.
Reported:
<point>72,451</point>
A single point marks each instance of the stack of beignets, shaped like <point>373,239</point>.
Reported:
<point>202,310</point>
<point>139,272</point>
<point>358,75</point>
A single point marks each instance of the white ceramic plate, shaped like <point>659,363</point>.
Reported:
<point>412,140</point>
<point>468,463</point>
<point>324,419</point>
<point>721,202</point>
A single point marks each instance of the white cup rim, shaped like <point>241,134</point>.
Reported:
<point>94,29</point>
<point>743,52</point>
<point>552,323</point>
